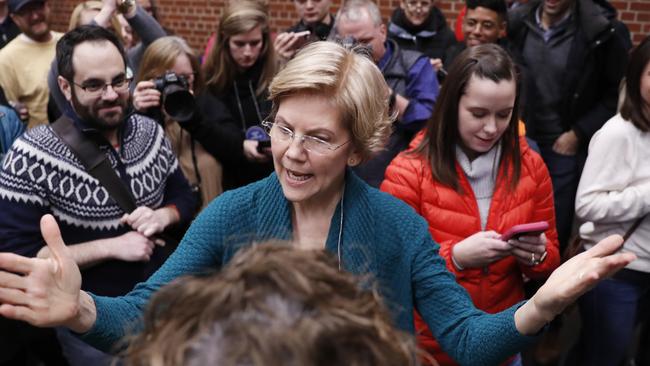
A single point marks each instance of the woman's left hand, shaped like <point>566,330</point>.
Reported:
<point>529,250</point>
<point>569,281</point>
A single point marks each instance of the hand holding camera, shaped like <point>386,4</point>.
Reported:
<point>171,91</point>
<point>146,96</point>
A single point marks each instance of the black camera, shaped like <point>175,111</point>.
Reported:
<point>177,101</point>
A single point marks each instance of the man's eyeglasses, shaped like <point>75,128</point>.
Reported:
<point>97,87</point>
<point>282,134</point>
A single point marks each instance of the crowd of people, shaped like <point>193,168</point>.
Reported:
<point>346,191</point>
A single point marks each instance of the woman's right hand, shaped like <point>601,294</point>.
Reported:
<point>145,96</point>
<point>44,292</point>
<point>480,249</point>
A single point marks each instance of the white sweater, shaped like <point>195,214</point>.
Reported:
<point>614,188</point>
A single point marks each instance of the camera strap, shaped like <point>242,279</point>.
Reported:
<point>95,162</point>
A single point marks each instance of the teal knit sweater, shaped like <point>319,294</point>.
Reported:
<point>382,236</point>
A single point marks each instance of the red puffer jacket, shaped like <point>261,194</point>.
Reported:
<point>453,217</point>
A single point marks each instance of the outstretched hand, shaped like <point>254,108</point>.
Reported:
<point>42,292</point>
<point>569,281</point>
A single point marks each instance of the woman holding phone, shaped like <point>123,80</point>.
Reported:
<point>237,73</point>
<point>473,177</point>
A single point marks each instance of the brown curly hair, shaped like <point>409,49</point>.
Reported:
<point>271,305</point>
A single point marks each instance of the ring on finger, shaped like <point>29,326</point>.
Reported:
<point>532,259</point>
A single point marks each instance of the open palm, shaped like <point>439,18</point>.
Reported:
<point>42,292</point>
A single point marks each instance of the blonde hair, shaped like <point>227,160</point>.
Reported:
<point>161,56</point>
<point>271,305</point>
<point>239,17</point>
<point>350,80</point>
<point>94,5</point>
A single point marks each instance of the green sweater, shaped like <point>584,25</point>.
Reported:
<point>381,236</point>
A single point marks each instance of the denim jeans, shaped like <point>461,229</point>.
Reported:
<point>610,313</point>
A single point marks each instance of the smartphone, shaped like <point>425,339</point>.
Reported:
<point>529,229</point>
<point>263,144</point>
<point>303,37</point>
<point>303,34</point>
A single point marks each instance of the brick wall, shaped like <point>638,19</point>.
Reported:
<point>195,20</point>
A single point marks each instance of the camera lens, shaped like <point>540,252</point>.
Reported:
<point>178,102</point>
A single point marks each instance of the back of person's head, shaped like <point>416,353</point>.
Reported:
<point>85,33</point>
<point>634,107</point>
<point>353,10</point>
<point>351,80</point>
<point>239,17</point>
<point>498,6</point>
<point>271,305</point>
<point>161,56</point>
<point>487,61</point>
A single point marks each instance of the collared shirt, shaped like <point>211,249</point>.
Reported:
<point>553,29</point>
<point>546,52</point>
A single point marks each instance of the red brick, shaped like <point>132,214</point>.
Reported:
<point>643,17</point>
<point>639,6</point>
<point>627,16</point>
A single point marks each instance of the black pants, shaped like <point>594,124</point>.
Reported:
<point>22,344</point>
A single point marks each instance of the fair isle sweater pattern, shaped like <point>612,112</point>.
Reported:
<point>41,170</point>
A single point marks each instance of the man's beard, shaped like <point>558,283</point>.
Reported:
<point>90,114</point>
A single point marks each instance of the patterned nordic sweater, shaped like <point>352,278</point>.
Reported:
<point>381,236</point>
<point>41,175</point>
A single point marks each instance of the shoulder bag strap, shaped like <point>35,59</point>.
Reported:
<point>95,162</point>
<point>630,231</point>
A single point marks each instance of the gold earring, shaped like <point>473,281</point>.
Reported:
<point>351,162</point>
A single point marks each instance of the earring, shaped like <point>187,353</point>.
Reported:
<point>351,162</point>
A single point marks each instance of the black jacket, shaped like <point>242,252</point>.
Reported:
<point>220,126</point>
<point>594,69</point>
<point>432,38</point>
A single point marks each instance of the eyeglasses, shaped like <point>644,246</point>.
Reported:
<point>313,144</point>
<point>422,4</point>
<point>97,87</point>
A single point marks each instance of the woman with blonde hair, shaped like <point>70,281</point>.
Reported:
<point>238,71</point>
<point>174,54</point>
<point>329,114</point>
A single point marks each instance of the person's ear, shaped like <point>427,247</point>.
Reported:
<point>503,27</point>
<point>383,31</point>
<point>354,159</point>
<point>402,5</point>
<point>66,87</point>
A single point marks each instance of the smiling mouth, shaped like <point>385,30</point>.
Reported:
<point>298,177</point>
